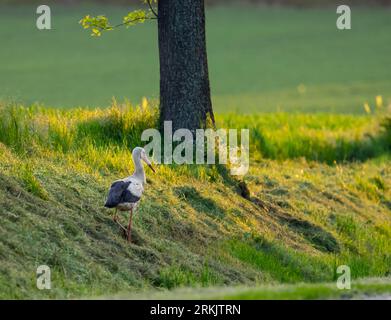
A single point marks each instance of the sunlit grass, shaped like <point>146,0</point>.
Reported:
<point>319,198</point>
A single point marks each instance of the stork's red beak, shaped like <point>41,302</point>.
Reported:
<point>146,160</point>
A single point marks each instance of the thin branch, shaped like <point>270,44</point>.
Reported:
<point>152,9</point>
<point>135,20</point>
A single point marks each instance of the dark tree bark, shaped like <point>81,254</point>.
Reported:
<point>184,77</point>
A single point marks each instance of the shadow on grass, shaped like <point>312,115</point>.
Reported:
<point>321,239</point>
<point>199,202</point>
<point>277,262</point>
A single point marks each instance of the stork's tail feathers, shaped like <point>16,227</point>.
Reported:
<point>110,204</point>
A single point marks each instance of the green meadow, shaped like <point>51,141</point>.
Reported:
<point>317,195</point>
<point>260,58</point>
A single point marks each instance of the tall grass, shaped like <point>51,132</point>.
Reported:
<point>121,124</point>
<point>325,138</point>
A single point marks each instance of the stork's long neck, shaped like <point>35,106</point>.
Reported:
<point>139,169</point>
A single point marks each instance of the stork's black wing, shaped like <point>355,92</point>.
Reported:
<point>119,193</point>
<point>115,193</point>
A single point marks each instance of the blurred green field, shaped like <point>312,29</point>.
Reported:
<point>261,59</point>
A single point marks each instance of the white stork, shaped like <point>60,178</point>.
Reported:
<point>125,194</point>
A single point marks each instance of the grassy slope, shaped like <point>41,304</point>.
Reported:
<point>264,59</point>
<point>193,228</point>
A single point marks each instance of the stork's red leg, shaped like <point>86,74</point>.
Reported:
<point>130,226</point>
<point>115,217</point>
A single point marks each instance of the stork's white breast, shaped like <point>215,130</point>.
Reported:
<point>136,187</point>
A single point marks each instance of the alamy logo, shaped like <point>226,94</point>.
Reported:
<point>344,21</point>
<point>44,21</point>
<point>204,144</point>
<point>43,278</point>
<point>344,280</point>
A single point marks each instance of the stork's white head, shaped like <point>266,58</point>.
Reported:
<point>139,153</point>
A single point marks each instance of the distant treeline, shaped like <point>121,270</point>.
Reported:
<point>211,2</point>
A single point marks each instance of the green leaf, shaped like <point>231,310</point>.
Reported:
<point>96,24</point>
<point>100,23</point>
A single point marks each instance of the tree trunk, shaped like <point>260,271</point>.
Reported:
<point>184,78</point>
